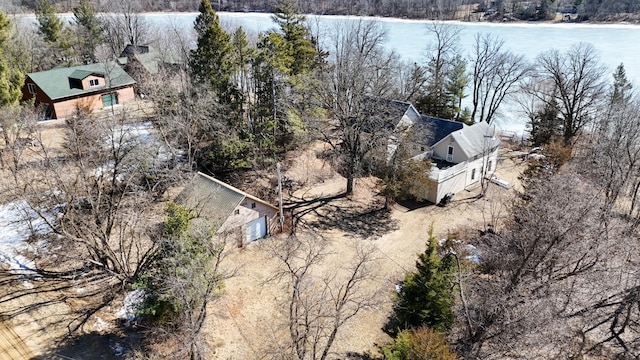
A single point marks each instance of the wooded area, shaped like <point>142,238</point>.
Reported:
<point>557,278</point>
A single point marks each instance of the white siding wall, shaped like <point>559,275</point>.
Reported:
<point>441,149</point>
<point>246,213</point>
<point>479,165</point>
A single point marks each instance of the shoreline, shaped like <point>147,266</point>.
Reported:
<point>379,18</point>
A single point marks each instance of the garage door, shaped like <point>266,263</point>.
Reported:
<point>256,229</point>
<point>109,100</point>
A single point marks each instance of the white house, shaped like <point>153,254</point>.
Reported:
<point>462,154</point>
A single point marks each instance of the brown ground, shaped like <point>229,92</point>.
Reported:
<point>242,325</point>
<point>246,322</point>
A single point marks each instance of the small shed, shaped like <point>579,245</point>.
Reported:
<point>230,210</point>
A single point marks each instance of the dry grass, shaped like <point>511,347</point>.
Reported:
<point>247,322</point>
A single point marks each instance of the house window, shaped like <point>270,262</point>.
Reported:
<point>237,212</point>
<point>94,82</point>
<point>32,89</point>
<point>450,154</point>
<point>421,148</point>
<point>489,166</point>
<point>473,174</point>
<point>253,205</point>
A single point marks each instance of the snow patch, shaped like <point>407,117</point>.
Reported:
<point>130,305</point>
<point>469,251</point>
<point>101,325</point>
<point>118,349</point>
<point>18,223</point>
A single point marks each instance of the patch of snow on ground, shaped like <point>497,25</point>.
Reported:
<point>473,254</point>
<point>19,222</point>
<point>101,325</point>
<point>118,349</point>
<point>130,305</point>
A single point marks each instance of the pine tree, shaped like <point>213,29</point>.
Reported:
<point>298,46</point>
<point>621,86</point>
<point>212,61</point>
<point>426,297</point>
<point>50,25</point>
<point>457,80</point>
<point>89,29</point>
<point>11,79</point>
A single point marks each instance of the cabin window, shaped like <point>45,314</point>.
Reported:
<point>94,82</point>
<point>253,205</point>
<point>237,212</point>
<point>473,174</point>
<point>32,89</point>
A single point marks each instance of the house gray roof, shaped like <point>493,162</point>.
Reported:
<point>56,85</point>
<point>212,199</point>
<point>148,56</point>
<point>436,129</point>
<point>476,139</point>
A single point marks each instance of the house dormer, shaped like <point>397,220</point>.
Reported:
<point>86,80</point>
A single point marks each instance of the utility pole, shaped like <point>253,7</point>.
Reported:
<point>280,197</point>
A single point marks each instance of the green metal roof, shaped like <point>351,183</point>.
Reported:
<point>210,198</point>
<point>55,82</point>
<point>83,74</point>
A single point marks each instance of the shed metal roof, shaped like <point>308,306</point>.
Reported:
<point>213,199</point>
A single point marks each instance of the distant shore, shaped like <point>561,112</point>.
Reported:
<point>475,19</point>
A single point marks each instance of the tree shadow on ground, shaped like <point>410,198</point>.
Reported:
<point>411,205</point>
<point>373,221</point>
<point>73,298</point>
<point>361,356</point>
<point>92,346</point>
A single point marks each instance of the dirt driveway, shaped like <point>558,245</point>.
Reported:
<point>247,322</point>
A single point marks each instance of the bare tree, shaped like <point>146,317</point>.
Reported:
<point>123,24</point>
<point>352,90</point>
<point>318,304</point>
<point>95,194</point>
<point>441,55</point>
<point>574,81</point>
<point>19,133</point>
<point>496,74</point>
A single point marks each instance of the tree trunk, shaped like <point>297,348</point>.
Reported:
<point>349,184</point>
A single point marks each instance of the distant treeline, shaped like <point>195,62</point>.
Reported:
<point>489,10</point>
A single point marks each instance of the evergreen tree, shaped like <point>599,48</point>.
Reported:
<point>426,297</point>
<point>621,93</point>
<point>11,79</point>
<point>242,56</point>
<point>298,46</point>
<point>546,125</point>
<point>419,344</point>
<point>50,25</point>
<point>58,36</point>
<point>456,82</point>
<point>212,61</point>
<point>89,30</point>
